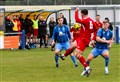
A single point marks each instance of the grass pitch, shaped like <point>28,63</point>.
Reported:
<point>37,65</point>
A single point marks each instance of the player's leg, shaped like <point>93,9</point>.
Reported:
<point>69,50</point>
<point>94,53</point>
<point>81,45</point>
<point>80,57</point>
<point>57,52</point>
<point>74,60</point>
<point>105,54</point>
<point>67,46</point>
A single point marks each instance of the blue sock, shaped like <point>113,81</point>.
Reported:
<point>87,63</point>
<point>107,61</point>
<point>74,60</point>
<point>56,58</point>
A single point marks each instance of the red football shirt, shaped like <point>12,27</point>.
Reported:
<point>76,33</point>
<point>89,27</point>
<point>99,24</point>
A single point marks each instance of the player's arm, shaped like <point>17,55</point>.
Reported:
<point>77,19</point>
<point>53,37</point>
<point>94,34</point>
<point>68,33</point>
<point>110,44</point>
<point>99,39</point>
<point>71,33</point>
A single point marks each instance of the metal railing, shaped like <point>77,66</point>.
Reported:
<point>59,2</point>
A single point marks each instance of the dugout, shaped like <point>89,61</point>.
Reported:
<point>110,11</point>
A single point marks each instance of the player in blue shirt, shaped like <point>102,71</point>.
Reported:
<point>62,36</point>
<point>104,40</point>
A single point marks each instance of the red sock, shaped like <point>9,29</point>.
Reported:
<point>82,60</point>
<point>68,52</point>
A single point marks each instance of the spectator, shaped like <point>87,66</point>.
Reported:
<point>64,19</point>
<point>52,24</point>
<point>22,20</point>
<point>15,28</point>
<point>42,31</point>
<point>9,24</point>
<point>18,23</point>
<point>110,26</point>
<point>28,29</point>
<point>35,29</point>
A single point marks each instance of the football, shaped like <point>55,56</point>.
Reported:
<point>76,26</point>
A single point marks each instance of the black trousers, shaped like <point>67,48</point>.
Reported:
<point>43,40</point>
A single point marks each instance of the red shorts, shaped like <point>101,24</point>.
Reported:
<point>82,43</point>
<point>35,32</point>
<point>28,34</point>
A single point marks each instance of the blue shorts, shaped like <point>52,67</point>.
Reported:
<point>97,52</point>
<point>62,46</point>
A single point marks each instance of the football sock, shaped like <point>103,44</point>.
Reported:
<point>56,58</point>
<point>69,51</point>
<point>82,60</point>
<point>74,60</point>
<point>107,61</point>
<point>88,62</point>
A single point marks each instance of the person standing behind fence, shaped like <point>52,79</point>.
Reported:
<point>52,24</point>
<point>64,19</point>
<point>15,28</point>
<point>18,24</point>
<point>28,29</point>
<point>22,22</point>
<point>8,24</point>
<point>110,26</point>
<point>42,31</point>
<point>35,29</point>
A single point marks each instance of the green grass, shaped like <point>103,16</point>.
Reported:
<point>37,65</point>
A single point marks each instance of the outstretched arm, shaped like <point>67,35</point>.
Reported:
<point>77,19</point>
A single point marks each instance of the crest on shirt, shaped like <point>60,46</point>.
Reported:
<point>61,33</point>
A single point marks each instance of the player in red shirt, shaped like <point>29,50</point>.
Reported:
<point>99,25</point>
<point>97,22</point>
<point>75,31</point>
<point>88,27</point>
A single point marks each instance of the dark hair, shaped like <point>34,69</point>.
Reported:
<point>107,18</point>
<point>84,11</point>
<point>98,15</point>
<point>27,15</point>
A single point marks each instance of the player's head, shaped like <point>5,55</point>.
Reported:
<point>84,13</point>
<point>105,24</point>
<point>60,21</point>
<point>98,18</point>
<point>107,19</point>
<point>76,26</point>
